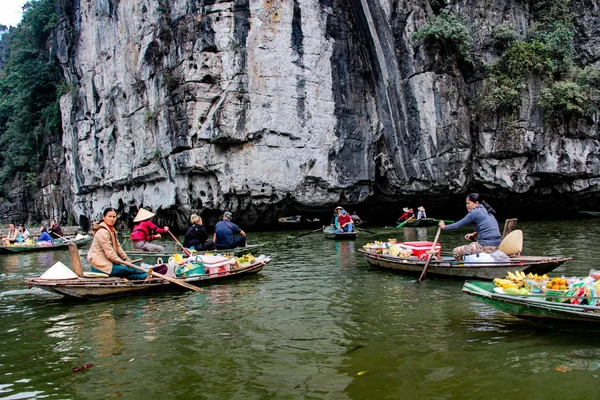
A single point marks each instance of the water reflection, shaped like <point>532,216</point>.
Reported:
<point>318,322</point>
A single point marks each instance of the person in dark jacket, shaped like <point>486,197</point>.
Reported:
<point>55,230</point>
<point>487,232</point>
<point>196,236</point>
<point>228,235</point>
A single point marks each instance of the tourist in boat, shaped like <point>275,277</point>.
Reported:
<point>356,218</point>
<point>11,237</point>
<point>144,231</point>
<point>45,239</point>
<point>487,232</point>
<point>421,213</point>
<point>228,235</point>
<point>22,234</point>
<point>196,236</point>
<point>55,230</point>
<point>334,218</point>
<point>106,255</point>
<point>345,223</point>
<point>407,214</point>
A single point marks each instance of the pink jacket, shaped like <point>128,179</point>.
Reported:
<point>142,231</point>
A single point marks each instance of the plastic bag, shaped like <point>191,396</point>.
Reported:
<point>479,258</point>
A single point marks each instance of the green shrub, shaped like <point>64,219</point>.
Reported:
<point>448,30</point>
<point>503,35</point>
<point>501,94</point>
<point>563,98</point>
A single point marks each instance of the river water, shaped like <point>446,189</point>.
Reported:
<point>317,322</point>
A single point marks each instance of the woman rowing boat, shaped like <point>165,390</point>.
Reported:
<point>487,233</point>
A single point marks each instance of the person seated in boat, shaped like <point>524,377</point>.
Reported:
<point>55,230</point>
<point>356,218</point>
<point>407,215</point>
<point>45,239</point>
<point>345,223</point>
<point>22,234</point>
<point>487,232</point>
<point>227,234</point>
<point>196,236</point>
<point>144,231</point>
<point>334,218</point>
<point>421,213</point>
<point>106,255</point>
<point>11,237</point>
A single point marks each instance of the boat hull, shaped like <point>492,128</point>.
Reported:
<point>423,222</point>
<point>563,316</point>
<point>450,268</point>
<point>101,288</point>
<point>330,234</point>
<point>33,248</point>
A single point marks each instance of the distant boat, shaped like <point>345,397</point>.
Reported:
<point>298,222</point>
<point>57,245</point>
<point>592,214</point>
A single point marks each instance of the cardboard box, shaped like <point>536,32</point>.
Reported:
<point>421,249</point>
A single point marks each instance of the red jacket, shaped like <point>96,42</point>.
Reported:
<point>143,231</point>
<point>344,219</point>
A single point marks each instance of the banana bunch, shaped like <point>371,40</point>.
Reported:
<point>505,283</point>
<point>246,258</point>
<point>537,277</point>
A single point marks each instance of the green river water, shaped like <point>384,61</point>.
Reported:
<point>318,322</point>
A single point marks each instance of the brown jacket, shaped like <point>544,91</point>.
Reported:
<point>106,250</point>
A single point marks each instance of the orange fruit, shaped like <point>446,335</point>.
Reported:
<point>555,287</point>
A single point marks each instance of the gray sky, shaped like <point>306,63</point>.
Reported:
<point>10,11</point>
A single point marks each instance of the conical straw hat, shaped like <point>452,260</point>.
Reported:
<point>59,271</point>
<point>512,243</point>
<point>143,215</point>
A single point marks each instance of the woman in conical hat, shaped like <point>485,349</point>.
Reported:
<point>406,216</point>
<point>144,231</point>
<point>421,213</point>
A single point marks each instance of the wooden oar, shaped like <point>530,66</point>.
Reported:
<point>166,278</point>
<point>186,251</point>
<point>430,256</point>
<point>401,224</point>
<point>308,233</point>
<point>365,230</point>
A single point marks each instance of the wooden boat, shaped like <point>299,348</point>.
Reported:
<point>59,244</point>
<point>297,222</point>
<point>537,308</point>
<point>329,233</point>
<point>448,267</point>
<point>151,257</point>
<point>100,288</point>
<point>423,222</point>
<point>590,214</point>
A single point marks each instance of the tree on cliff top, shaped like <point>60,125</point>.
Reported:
<point>28,91</point>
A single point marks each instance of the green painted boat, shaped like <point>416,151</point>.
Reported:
<point>562,316</point>
<point>59,244</point>
<point>329,233</point>
<point>423,222</point>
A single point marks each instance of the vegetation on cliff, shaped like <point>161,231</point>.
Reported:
<point>546,52</point>
<point>29,81</point>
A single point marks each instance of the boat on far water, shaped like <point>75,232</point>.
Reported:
<point>59,244</point>
<point>590,214</point>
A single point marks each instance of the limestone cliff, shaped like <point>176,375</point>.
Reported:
<point>269,107</point>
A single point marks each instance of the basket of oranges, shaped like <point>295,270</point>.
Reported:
<point>555,289</point>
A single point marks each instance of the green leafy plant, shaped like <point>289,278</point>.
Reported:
<point>563,98</point>
<point>448,30</point>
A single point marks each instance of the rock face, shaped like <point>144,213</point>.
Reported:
<point>265,108</point>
